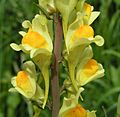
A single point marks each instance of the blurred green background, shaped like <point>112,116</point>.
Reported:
<point>101,95</point>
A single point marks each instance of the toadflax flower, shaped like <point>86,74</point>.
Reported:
<point>71,108</point>
<point>25,83</point>
<point>86,71</point>
<point>38,43</point>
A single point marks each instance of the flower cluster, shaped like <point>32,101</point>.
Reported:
<point>38,44</point>
<point>77,17</point>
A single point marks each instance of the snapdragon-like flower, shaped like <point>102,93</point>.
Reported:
<point>37,36</point>
<point>26,83</point>
<point>38,43</point>
<point>71,108</point>
<point>86,71</point>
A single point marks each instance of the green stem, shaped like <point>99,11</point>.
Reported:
<point>55,66</point>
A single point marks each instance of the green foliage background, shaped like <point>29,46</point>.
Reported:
<point>101,95</point>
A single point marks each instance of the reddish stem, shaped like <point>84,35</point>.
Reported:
<point>55,66</point>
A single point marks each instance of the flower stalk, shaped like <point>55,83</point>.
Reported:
<point>55,66</point>
<point>72,21</point>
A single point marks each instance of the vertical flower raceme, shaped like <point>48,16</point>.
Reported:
<point>38,43</point>
<point>80,35</point>
<point>26,83</point>
<point>77,17</point>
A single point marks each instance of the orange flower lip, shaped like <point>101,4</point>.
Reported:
<point>34,39</point>
<point>84,31</point>
<point>23,81</point>
<point>90,68</point>
<point>77,111</point>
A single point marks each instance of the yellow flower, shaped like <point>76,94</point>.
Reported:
<point>37,36</point>
<point>88,69</point>
<point>71,107</point>
<point>25,82</point>
<point>82,68</point>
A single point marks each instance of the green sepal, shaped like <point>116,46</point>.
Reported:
<point>70,89</point>
<point>37,111</point>
<point>38,96</point>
